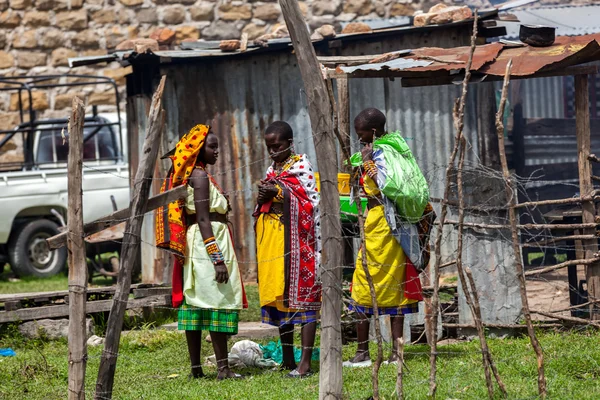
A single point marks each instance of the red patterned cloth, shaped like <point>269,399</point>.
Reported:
<point>302,232</point>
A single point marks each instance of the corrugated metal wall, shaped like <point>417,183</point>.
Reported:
<point>240,96</point>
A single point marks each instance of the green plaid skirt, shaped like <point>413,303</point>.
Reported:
<point>192,318</point>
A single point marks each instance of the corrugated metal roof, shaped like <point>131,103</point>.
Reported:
<point>490,59</point>
<point>568,20</point>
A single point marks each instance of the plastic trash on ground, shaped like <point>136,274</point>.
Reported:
<point>245,353</point>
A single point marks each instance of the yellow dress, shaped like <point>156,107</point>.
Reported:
<point>200,289</point>
<point>386,263</point>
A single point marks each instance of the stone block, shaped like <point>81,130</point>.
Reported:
<point>39,101</point>
<point>60,56</point>
<point>186,33</point>
<point>118,74</point>
<point>231,12</point>
<point>30,59</point>
<point>203,12</point>
<point>163,36</point>
<point>25,40</point>
<point>36,19</point>
<point>324,7</point>
<point>3,39</point>
<point>173,15</point>
<point>147,16</point>
<point>65,100</point>
<point>131,3</point>
<point>44,5</point>
<point>267,12</point>
<point>114,36</point>
<point>85,39</point>
<point>360,7</point>
<point>52,328</point>
<point>101,98</point>
<point>72,20</point>
<point>104,16</point>
<point>6,60</point>
<point>220,30</point>
<point>52,38</point>
<point>9,19</point>
<point>19,4</point>
<point>401,10</point>
<point>254,30</point>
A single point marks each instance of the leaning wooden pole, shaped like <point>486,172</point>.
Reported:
<point>321,120</point>
<point>76,250</point>
<point>515,235</point>
<point>131,245</point>
<point>582,127</point>
<point>435,300</point>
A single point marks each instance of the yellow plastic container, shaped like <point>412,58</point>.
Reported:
<point>343,183</point>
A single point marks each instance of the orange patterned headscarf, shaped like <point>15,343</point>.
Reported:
<point>172,234</point>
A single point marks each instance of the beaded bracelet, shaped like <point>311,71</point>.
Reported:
<point>212,248</point>
<point>370,169</point>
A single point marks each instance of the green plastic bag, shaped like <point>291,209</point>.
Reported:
<point>404,184</point>
<point>274,351</point>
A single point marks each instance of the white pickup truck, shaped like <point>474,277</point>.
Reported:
<point>33,198</point>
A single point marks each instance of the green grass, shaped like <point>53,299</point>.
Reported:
<point>32,284</point>
<point>153,364</point>
<point>252,313</point>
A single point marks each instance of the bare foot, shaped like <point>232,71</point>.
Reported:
<point>303,368</point>
<point>360,357</point>
<point>226,373</point>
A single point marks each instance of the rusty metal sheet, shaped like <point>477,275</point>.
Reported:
<point>457,57</point>
<point>528,60</point>
<point>422,60</point>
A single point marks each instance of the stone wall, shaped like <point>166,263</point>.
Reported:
<point>38,36</point>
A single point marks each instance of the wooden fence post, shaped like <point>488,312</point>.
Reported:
<point>76,250</point>
<point>131,245</point>
<point>582,126</point>
<point>321,118</point>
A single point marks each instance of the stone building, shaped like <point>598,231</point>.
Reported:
<point>38,36</point>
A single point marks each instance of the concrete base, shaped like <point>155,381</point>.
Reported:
<point>246,330</point>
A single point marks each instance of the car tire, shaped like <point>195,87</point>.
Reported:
<point>28,251</point>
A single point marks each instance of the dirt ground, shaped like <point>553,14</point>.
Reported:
<point>549,292</point>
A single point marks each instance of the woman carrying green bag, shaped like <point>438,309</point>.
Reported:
<point>397,227</point>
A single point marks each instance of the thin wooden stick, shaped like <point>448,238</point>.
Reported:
<point>131,245</point>
<point>435,301</point>
<point>363,255</point>
<point>546,242</point>
<point>540,324</point>
<point>77,260</point>
<point>399,385</point>
<point>484,346</point>
<point>575,320</point>
<point>592,157</point>
<point>570,200</point>
<point>515,236</point>
<point>587,303</point>
<point>526,226</point>
<point>439,60</point>
<point>540,271</point>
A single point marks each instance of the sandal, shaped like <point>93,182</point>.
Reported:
<point>297,375</point>
<point>360,364</point>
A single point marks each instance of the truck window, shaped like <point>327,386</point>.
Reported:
<point>98,146</point>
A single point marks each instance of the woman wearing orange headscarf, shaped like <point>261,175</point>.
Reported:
<point>207,285</point>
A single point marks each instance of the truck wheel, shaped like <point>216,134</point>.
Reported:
<point>29,253</point>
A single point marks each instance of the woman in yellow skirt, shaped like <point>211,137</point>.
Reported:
<point>288,247</point>
<point>397,285</point>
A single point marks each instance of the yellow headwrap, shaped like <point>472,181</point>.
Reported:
<point>184,161</point>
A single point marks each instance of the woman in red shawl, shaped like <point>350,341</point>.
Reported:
<point>288,247</point>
